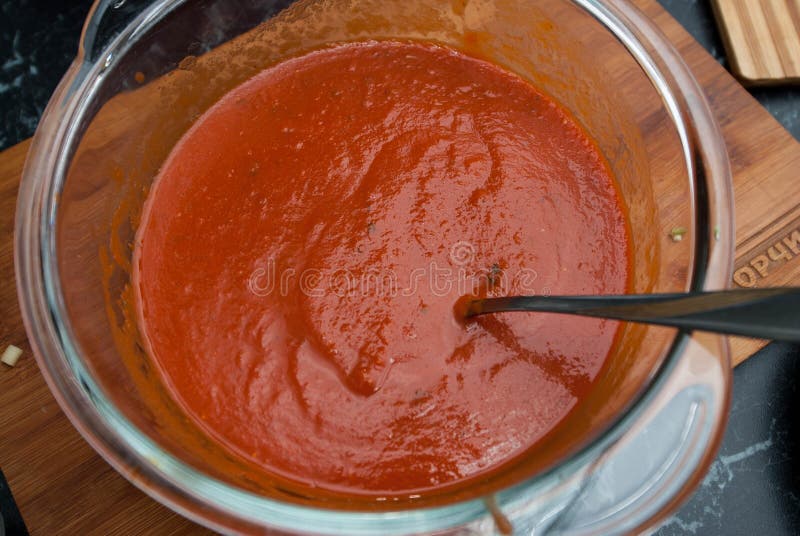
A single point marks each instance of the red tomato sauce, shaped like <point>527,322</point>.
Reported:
<point>293,261</point>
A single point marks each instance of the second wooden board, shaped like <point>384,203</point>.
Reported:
<point>762,38</point>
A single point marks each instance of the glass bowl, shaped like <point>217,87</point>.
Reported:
<point>145,71</point>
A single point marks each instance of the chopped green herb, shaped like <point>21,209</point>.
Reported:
<point>677,233</point>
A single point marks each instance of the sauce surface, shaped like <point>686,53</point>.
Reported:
<point>303,247</point>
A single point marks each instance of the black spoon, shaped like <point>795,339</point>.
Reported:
<point>769,313</point>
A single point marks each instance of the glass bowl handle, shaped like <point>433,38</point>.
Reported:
<point>665,453</point>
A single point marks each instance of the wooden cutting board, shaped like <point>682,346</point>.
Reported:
<point>762,38</point>
<point>63,487</point>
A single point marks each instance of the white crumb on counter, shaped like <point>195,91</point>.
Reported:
<point>11,355</point>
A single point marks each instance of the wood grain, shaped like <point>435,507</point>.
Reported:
<point>762,38</point>
<point>63,487</point>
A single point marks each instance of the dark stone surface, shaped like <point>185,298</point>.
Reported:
<point>38,39</point>
<point>753,486</point>
<point>10,518</point>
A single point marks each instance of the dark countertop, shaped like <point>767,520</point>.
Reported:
<point>754,484</point>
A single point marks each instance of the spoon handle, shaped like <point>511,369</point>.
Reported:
<point>769,313</point>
